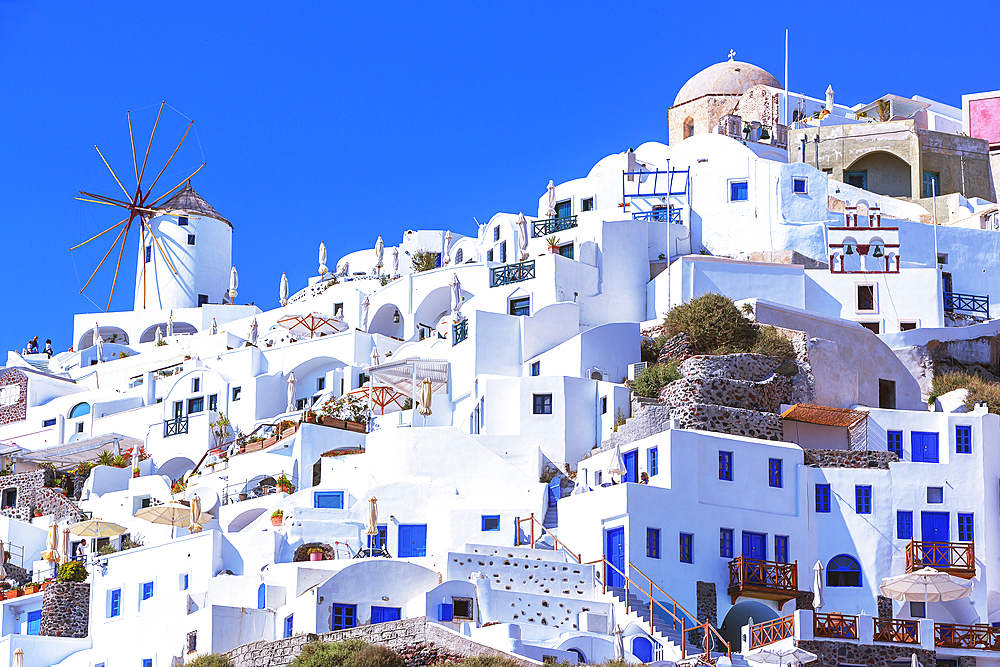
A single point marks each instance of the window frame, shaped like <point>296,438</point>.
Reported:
<point>323,495</point>
<point>897,446</point>
<point>652,542</point>
<point>935,491</point>
<point>190,239</point>
<point>822,493</point>
<point>781,548</point>
<point>863,497</point>
<point>519,306</point>
<point>236,393</point>
<point>727,537</point>
<point>731,185</point>
<point>143,588</point>
<point>725,466</point>
<point>541,404</point>
<point>966,527</point>
<point>652,461</point>
<point>289,625</point>
<point>115,603</point>
<point>535,368</point>
<point>588,204</point>
<point>963,439</point>
<point>686,547</point>
<point>796,181</point>
<point>841,571</point>
<point>904,524</point>
<point>490,518</point>
<point>774,473</point>
<point>858,286</point>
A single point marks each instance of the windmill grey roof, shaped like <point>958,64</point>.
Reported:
<point>189,201</point>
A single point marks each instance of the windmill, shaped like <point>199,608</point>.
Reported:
<point>137,204</point>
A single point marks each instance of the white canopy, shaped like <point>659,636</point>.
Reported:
<point>401,375</point>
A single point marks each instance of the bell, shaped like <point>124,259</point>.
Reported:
<point>764,134</point>
<point>878,252</point>
<point>849,250</point>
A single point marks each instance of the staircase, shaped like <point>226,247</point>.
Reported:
<point>551,520</point>
<point>40,362</point>
<point>663,630</point>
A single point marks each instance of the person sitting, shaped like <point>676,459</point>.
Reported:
<point>48,348</point>
<point>643,478</point>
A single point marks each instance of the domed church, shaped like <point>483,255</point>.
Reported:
<point>711,94</point>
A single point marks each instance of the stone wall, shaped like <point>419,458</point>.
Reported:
<point>65,609</point>
<point>764,396</point>
<point>18,410</point>
<point>420,643</point>
<point>884,607</point>
<point>753,367</point>
<point>839,458</point>
<point>735,421</point>
<point>32,493</point>
<point>834,654</point>
<point>708,602</point>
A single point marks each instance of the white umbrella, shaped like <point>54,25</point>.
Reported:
<point>913,660</point>
<point>522,236</point>
<point>379,248</point>
<point>456,297</point>
<point>215,327</point>
<point>253,332</point>
<point>552,199</point>
<point>234,281</point>
<point>395,261</point>
<point>159,334</point>
<point>322,258</point>
<point>925,585</point>
<point>372,516</point>
<point>447,246</point>
<point>817,585</point>
<point>195,526</point>
<point>18,658</point>
<point>617,464</point>
<point>3,570</point>
<point>135,458</point>
<point>344,268</point>
<point>312,324</point>
<point>291,392</point>
<point>785,655</point>
<point>425,397</point>
<point>170,324</point>
<point>99,342</point>
<point>619,643</point>
<point>283,290</point>
<point>374,356</point>
<point>364,314</point>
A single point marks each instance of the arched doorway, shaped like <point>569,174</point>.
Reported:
<point>739,614</point>
<point>180,328</point>
<point>388,321</point>
<point>880,172</point>
<point>108,334</point>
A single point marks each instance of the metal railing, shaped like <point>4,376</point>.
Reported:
<point>896,630</point>
<point>835,625</point>
<point>540,228</point>
<point>772,631</point>
<point>532,521</point>
<point>235,492</point>
<point>672,214</point>
<point>973,303</point>
<point>459,332</point>
<point>980,637</point>
<point>952,557</point>
<point>751,572</point>
<point>175,426</point>
<point>512,273</point>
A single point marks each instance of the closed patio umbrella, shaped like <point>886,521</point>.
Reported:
<point>372,516</point>
<point>195,525</point>
<point>375,356</point>
<point>51,552</point>
<point>817,585</point>
<point>619,643</point>
<point>364,313</point>
<point>395,261</point>
<point>253,332</point>
<point>159,334</point>
<point>234,281</point>
<point>98,342</point>
<point>291,392</point>
<point>322,258</point>
<point>18,658</point>
<point>552,199</point>
<point>170,324</point>
<point>447,247</point>
<point>215,327</point>
<point>425,397</point>
<point>283,290</point>
<point>617,464</point>
<point>379,250</point>
<point>522,237</point>
<point>456,297</point>
<point>64,546</point>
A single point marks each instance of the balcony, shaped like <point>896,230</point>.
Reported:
<point>764,579</point>
<point>459,332</point>
<point>835,626</point>
<point>972,303</point>
<point>512,273</point>
<point>977,637</point>
<point>956,558</point>
<point>546,226</point>
<point>175,426</point>
<point>772,631</point>
<point>896,631</point>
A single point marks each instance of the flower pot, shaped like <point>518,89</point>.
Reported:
<point>45,584</point>
<point>315,556</point>
<point>243,497</point>
<point>10,595</point>
<point>310,419</point>
<point>134,475</point>
<point>277,520</point>
<point>285,488</point>
<point>31,589</point>
<point>553,250</point>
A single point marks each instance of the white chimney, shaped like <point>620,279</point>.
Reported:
<point>829,99</point>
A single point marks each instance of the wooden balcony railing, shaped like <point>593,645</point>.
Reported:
<point>980,637</point>
<point>772,631</point>
<point>957,558</point>
<point>896,630</point>
<point>835,625</point>
<point>764,579</point>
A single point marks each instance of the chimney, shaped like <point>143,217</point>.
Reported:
<point>829,99</point>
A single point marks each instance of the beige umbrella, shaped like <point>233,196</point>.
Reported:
<point>425,397</point>
<point>925,585</point>
<point>195,525</point>
<point>364,313</point>
<point>18,658</point>
<point>522,237</point>
<point>65,546</point>
<point>51,552</point>
<point>375,356</point>
<point>456,297</point>
<point>253,332</point>
<point>96,528</point>
<point>312,324</point>
<point>372,516</point>
<point>617,464</point>
<point>170,514</point>
<point>787,655</point>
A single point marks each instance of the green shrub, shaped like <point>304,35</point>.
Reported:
<point>980,389</point>
<point>327,654</point>
<point>72,571</point>
<point>423,260</point>
<point>484,661</point>
<point>650,349</point>
<point>107,550</point>
<point>770,342</point>
<point>654,378</point>
<point>211,660</point>
<point>375,656</point>
<point>711,322</point>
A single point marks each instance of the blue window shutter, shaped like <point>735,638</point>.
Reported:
<point>963,439</point>
<point>965,530</point>
<point>116,603</point>
<point>904,525</point>
<point>328,500</point>
<point>261,597</point>
<point>288,626</point>
<point>34,622</point>
<point>652,464</point>
<point>894,443</point>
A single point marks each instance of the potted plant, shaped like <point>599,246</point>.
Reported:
<point>135,472</point>
<point>18,592</point>
<point>37,512</point>
<point>45,584</point>
<point>277,517</point>
<point>310,416</point>
<point>553,242</point>
<point>284,484</point>
<point>31,588</point>
<point>11,594</point>
<point>315,554</point>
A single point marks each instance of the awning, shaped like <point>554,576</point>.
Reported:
<point>823,415</point>
<point>899,107</point>
<point>403,374</point>
<point>81,450</point>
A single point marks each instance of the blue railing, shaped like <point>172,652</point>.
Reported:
<point>459,332</point>
<point>176,426</point>
<point>672,214</point>
<point>552,225</point>
<point>972,303</point>
<point>512,273</point>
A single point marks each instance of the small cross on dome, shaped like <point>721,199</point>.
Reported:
<point>732,54</point>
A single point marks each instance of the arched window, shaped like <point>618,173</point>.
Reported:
<point>79,410</point>
<point>688,127</point>
<point>261,596</point>
<point>459,256</point>
<point>843,570</point>
<point>596,375</point>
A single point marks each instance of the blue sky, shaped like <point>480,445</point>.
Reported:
<point>337,122</point>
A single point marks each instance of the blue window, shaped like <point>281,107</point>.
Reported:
<point>331,500</point>
<point>496,233</point>
<point>79,410</point>
<point>147,590</point>
<point>822,498</point>
<point>184,584</point>
<point>491,522</point>
<point>147,662</point>
<point>652,461</point>
<point>652,543</point>
<point>894,443</point>
<point>687,539</point>
<point>965,530</point>
<point>344,616</point>
<point>288,625</point>
<point>182,221</point>
<point>378,541</point>
<point>924,447</point>
<point>536,368</point>
<point>774,473</point>
<point>963,439</point>
<point>49,422</point>
<point>386,614</point>
<point>781,548</point>
<point>149,253</point>
<point>863,499</point>
<point>738,191</point>
<point>726,466</point>
<point>843,570</point>
<point>489,255</point>
<point>261,596</point>
<point>116,603</point>
<point>799,186</point>
<point>412,541</point>
<point>904,525</point>
<point>935,495</point>
<point>726,542</point>
<point>542,404</point>
<point>35,622</point>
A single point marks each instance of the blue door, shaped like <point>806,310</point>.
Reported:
<point>934,528</point>
<point>412,540</point>
<point>631,467</point>
<point>754,548</point>
<point>642,649</point>
<point>34,622</point>
<point>385,614</point>
<point>924,447</point>
<point>614,551</point>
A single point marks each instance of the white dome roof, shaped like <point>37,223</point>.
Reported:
<point>726,78</point>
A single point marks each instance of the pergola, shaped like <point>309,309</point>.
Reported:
<point>391,383</point>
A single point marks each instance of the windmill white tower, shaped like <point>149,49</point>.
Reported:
<point>199,244</point>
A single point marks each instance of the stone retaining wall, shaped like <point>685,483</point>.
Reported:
<point>420,643</point>
<point>834,654</point>
<point>753,367</point>
<point>764,396</point>
<point>840,458</point>
<point>32,493</point>
<point>735,421</point>
<point>65,609</point>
